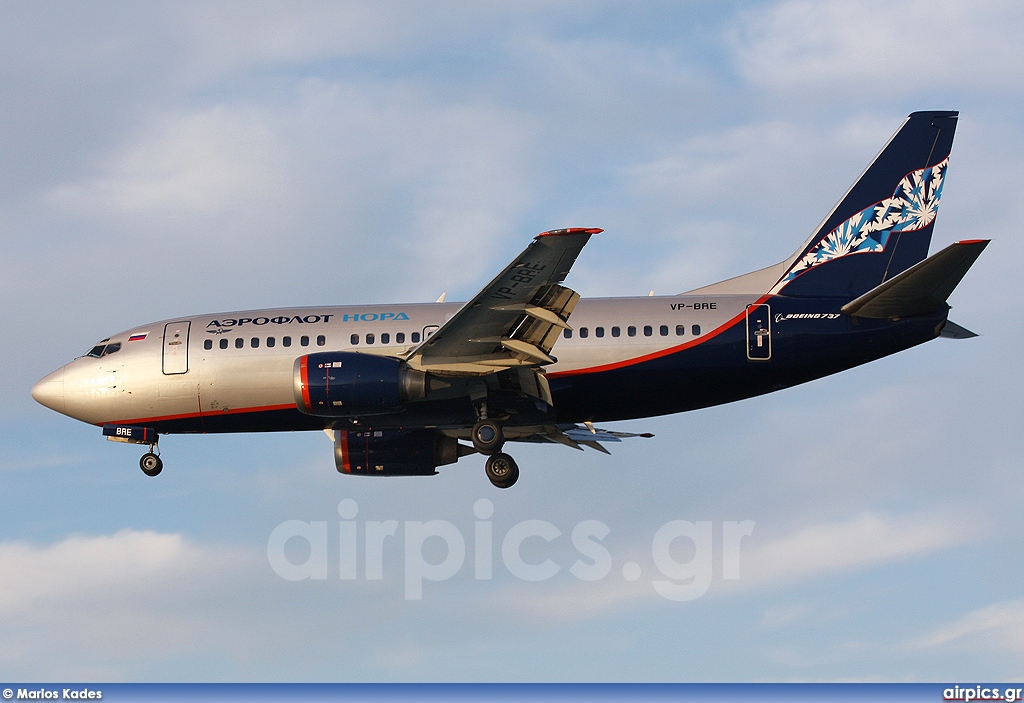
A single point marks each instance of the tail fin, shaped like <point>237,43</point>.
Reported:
<point>883,225</point>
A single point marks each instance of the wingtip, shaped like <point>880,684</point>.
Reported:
<point>570,230</point>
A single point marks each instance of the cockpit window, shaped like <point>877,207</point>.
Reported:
<point>102,349</point>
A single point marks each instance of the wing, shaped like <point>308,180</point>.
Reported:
<point>515,320</point>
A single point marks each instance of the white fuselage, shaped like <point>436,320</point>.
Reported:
<point>242,361</point>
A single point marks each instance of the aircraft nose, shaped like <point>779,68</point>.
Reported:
<point>49,391</point>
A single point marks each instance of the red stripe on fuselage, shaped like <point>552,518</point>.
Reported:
<point>663,352</point>
<point>187,416</point>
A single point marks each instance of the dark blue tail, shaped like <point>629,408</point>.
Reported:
<point>883,225</point>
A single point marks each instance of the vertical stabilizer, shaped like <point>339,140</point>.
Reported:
<point>883,225</point>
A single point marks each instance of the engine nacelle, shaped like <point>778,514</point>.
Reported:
<point>346,384</point>
<point>395,452</point>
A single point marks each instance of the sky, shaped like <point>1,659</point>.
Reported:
<point>167,160</point>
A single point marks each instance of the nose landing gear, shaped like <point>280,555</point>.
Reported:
<point>150,462</point>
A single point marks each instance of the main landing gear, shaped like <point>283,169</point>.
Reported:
<point>502,470</point>
<point>150,462</point>
<point>488,439</point>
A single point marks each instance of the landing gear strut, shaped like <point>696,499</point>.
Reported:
<point>502,470</point>
<point>150,463</point>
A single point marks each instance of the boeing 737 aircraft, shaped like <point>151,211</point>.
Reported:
<point>403,389</point>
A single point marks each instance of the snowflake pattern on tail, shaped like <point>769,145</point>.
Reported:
<point>912,207</point>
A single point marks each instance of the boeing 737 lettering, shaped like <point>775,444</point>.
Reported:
<point>404,389</point>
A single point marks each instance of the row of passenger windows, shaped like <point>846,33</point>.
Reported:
<point>254,342</point>
<point>371,338</point>
<point>414,338</point>
<point>663,331</point>
<point>385,338</point>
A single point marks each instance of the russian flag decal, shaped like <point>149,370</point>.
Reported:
<point>138,337</point>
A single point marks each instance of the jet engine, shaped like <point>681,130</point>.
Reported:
<point>395,452</point>
<point>344,384</point>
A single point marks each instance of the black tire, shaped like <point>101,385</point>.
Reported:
<point>487,437</point>
<point>151,464</point>
<point>502,470</point>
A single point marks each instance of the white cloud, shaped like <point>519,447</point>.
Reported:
<point>998,627</point>
<point>729,200</point>
<point>811,552</point>
<point>83,566</point>
<point>118,602</point>
<point>903,47</point>
<point>201,163</point>
<point>575,600</point>
<point>863,542</point>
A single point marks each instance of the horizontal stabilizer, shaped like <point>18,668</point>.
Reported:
<point>951,330</point>
<point>922,288</point>
<point>596,434</point>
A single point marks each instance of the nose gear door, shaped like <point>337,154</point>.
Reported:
<point>175,358</point>
<point>759,332</point>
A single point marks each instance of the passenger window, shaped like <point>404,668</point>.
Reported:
<point>663,330</point>
<point>400,338</point>
<point>415,337</point>
<point>354,339</point>
<point>321,340</point>
<point>631,331</point>
<point>567,334</point>
<point>208,344</point>
<point>271,341</point>
<point>254,342</point>
<point>304,340</point>
<point>239,343</point>
<point>370,339</point>
<point>696,330</point>
<point>385,338</point>
<point>615,331</point>
<point>648,330</point>
<point>584,333</point>
<point>223,343</point>
<point>599,331</point>
<point>286,341</point>
<point>680,330</point>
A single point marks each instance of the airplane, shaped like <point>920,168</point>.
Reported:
<point>403,389</point>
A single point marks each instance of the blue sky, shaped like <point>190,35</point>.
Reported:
<point>161,161</point>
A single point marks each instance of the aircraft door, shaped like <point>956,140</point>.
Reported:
<point>175,359</point>
<point>429,330</point>
<point>759,332</point>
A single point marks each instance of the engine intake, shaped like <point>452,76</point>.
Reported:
<point>345,384</point>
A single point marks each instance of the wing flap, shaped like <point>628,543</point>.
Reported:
<point>516,319</point>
